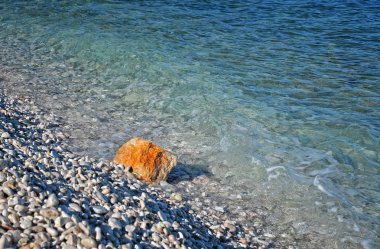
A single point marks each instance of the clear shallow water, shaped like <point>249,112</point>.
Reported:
<point>280,98</point>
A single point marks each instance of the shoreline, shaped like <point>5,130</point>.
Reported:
<point>47,157</point>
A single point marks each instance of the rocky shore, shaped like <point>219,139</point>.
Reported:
<point>52,198</point>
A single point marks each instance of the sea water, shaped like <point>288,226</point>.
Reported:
<point>279,99</point>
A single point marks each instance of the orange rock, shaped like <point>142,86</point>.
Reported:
<point>149,163</point>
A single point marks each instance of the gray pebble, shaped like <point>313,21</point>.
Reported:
<point>25,222</point>
<point>52,231</point>
<point>5,135</point>
<point>52,201</point>
<point>8,191</point>
<point>114,223</point>
<point>219,209</point>
<point>99,209</point>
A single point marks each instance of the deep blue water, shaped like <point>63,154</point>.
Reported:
<point>280,98</point>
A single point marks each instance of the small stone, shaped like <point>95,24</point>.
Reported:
<point>176,196</point>
<point>69,224</point>
<point>5,135</point>
<point>89,242</point>
<point>175,225</point>
<point>99,209</point>
<point>219,209</point>
<point>14,218</point>
<point>130,228</point>
<point>60,222</point>
<point>8,191</point>
<point>50,213</point>
<point>84,228</point>
<point>72,240</point>
<point>156,237</point>
<point>52,201</point>
<point>13,201</point>
<point>52,231</point>
<point>114,223</point>
<point>101,197</point>
<point>98,234</point>
<point>25,222</point>
<point>162,216</point>
<point>75,207</point>
<point>20,208</point>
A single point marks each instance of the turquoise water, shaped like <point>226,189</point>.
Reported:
<point>278,98</point>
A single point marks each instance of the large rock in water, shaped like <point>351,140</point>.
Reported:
<point>149,162</point>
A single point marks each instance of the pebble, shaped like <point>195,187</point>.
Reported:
<point>162,216</point>
<point>75,207</point>
<point>219,209</point>
<point>156,237</point>
<point>99,209</point>
<point>8,191</point>
<point>5,135</point>
<point>52,231</point>
<point>176,196</point>
<point>114,223</point>
<point>50,213</point>
<point>89,242</point>
<point>98,234</point>
<point>52,201</point>
<point>25,223</point>
<point>130,228</point>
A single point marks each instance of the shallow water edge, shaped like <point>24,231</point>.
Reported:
<point>284,222</point>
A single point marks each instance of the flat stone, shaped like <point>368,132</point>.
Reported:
<point>99,210</point>
<point>75,207</point>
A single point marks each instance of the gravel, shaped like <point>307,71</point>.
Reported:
<point>50,197</point>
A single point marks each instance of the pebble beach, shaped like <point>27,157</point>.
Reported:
<point>53,198</point>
